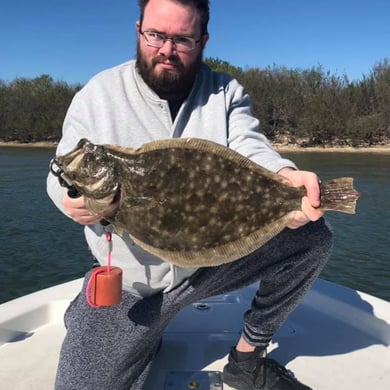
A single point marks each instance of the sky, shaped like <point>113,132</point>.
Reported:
<point>73,40</point>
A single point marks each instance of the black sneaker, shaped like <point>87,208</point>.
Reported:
<point>259,373</point>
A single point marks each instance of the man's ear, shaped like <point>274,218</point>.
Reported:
<point>205,38</point>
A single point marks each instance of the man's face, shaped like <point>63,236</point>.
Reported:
<point>170,73</point>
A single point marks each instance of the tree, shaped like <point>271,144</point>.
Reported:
<point>310,106</point>
<point>33,109</point>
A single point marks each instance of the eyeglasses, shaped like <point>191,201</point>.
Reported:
<point>156,39</point>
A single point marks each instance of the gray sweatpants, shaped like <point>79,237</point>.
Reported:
<point>112,347</point>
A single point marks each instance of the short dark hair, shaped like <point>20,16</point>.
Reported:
<point>203,7</point>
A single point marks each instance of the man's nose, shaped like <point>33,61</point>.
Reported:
<point>168,47</point>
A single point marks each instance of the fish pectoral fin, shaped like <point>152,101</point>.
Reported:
<point>105,207</point>
<point>111,210</point>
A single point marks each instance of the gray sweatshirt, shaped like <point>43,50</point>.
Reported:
<point>117,107</point>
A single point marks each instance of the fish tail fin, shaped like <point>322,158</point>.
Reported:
<point>339,195</point>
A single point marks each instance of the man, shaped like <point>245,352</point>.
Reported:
<point>168,92</point>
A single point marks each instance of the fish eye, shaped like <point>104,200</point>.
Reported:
<point>82,143</point>
<point>99,149</point>
<point>96,165</point>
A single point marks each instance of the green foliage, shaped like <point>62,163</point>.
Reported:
<point>310,107</point>
<point>33,110</point>
<point>219,65</point>
<point>315,108</point>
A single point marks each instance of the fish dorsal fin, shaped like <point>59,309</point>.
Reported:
<point>201,145</point>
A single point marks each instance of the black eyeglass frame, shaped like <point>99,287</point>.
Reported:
<point>173,39</point>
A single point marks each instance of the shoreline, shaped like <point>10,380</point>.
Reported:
<point>281,148</point>
<point>14,144</point>
<point>384,149</point>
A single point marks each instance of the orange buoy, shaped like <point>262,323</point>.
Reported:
<point>106,286</point>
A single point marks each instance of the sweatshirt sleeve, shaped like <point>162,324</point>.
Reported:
<point>74,128</point>
<point>243,131</point>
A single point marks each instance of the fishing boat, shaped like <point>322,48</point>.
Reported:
<point>337,339</point>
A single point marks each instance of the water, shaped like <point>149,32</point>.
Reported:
<point>40,247</point>
<point>361,258</point>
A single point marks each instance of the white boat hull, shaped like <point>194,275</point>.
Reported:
<point>337,339</point>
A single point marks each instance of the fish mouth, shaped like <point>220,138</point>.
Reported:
<point>71,161</point>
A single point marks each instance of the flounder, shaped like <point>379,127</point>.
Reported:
<point>189,201</point>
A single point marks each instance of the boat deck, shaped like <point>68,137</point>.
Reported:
<point>337,339</point>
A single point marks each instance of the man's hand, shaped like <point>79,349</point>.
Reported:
<point>309,203</point>
<point>76,209</point>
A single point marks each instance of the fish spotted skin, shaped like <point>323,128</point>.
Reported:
<point>189,201</point>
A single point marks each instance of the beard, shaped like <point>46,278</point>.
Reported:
<point>169,85</point>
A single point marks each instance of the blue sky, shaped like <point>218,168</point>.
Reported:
<point>73,40</point>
